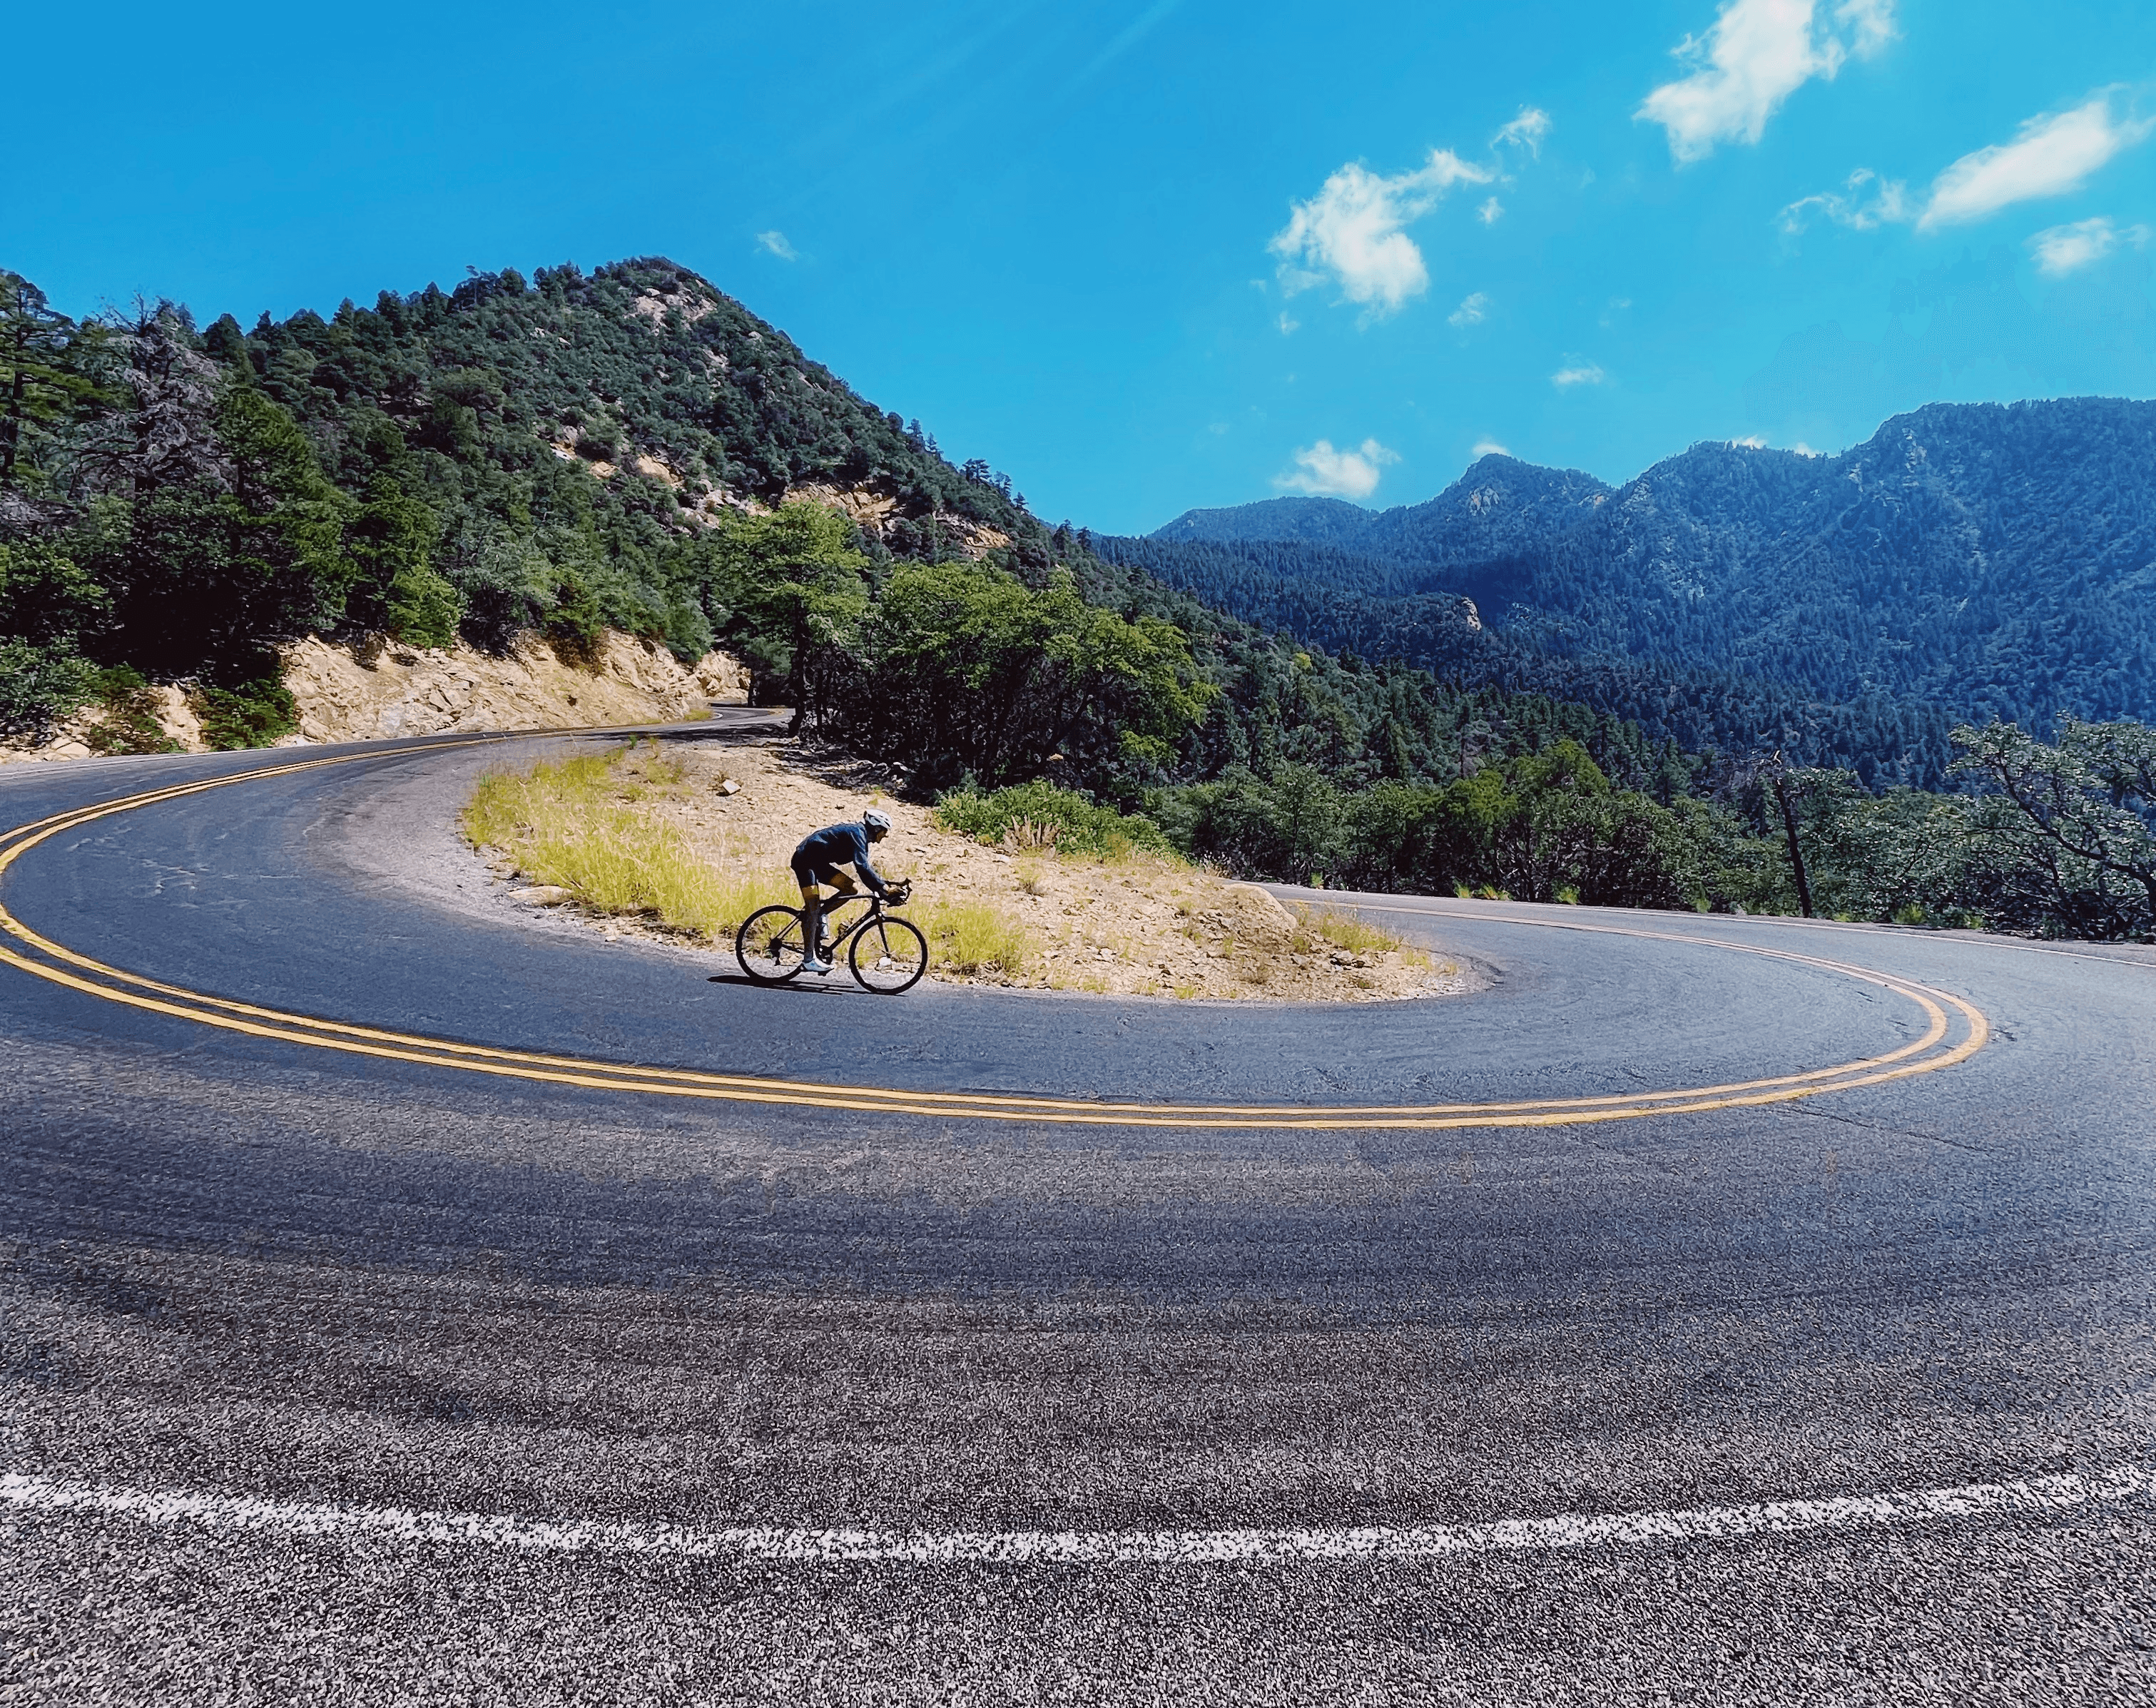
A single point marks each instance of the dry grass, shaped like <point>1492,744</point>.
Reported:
<point>1348,931</point>
<point>973,937</point>
<point>580,823</point>
<point>645,836</point>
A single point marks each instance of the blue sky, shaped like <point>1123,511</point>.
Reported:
<point>1155,253</point>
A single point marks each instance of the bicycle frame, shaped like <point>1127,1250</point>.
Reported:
<point>838,939</point>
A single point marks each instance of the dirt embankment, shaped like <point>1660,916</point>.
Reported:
<point>378,694</point>
<point>1140,925</point>
<point>380,689</point>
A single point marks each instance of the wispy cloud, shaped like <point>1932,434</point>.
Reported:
<point>2053,154</point>
<point>1135,31</point>
<point>2066,248</point>
<point>774,243</point>
<point>1526,132</point>
<point>1490,448</point>
<point>1472,311</point>
<point>1578,373</point>
<point>1491,211</point>
<point>1865,203</point>
<point>1287,323</point>
<point>1755,56</point>
<point>1352,231</point>
<point>1321,470</point>
<point>1750,442</point>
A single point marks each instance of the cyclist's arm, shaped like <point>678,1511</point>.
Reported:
<point>870,875</point>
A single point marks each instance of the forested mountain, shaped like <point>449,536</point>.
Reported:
<point>632,448</point>
<point>1990,560</point>
<point>1499,508</point>
<point>1319,522</point>
<point>1297,590</point>
<point>577,450</point>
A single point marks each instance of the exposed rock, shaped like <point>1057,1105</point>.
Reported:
<point>378,691</point>
<point>72,740</point>
<point>343,697</point>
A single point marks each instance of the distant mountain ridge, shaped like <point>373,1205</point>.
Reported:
<point>1994,559</point>
<point>1500,506</point>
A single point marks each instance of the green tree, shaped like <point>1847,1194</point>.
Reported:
<point>794,581</point>
<point>966,669</point>
<point>390,539</point>
<point>39,384</point>
<point>48,603</point>
<point>2065,843</point>
<point>214,573</point>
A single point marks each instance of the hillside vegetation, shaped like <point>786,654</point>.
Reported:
<point>631,450</point>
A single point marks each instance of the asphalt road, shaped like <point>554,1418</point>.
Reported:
<point>946,1397</point>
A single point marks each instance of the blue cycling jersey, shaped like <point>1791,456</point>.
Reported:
<point>819,856</point>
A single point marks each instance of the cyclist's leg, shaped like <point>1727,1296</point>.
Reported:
<point>840,883</point>
<point>811,911</point>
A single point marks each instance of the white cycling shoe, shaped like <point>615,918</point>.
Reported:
<point>813,965</point>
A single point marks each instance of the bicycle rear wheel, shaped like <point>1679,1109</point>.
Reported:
<point>888,956</point>
<point>770,944</point>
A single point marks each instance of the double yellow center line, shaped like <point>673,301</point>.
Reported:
<point>38,955</point>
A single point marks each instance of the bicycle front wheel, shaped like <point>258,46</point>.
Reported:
<point>770,944</point>
<point>888,956</point>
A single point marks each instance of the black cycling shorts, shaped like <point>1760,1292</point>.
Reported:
<point>807,875</point>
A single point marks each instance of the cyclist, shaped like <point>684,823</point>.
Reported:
<point>817,862</point>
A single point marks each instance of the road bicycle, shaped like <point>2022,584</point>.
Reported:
<point>888,954</point>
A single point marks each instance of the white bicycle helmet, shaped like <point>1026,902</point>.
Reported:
<point>874,820</point>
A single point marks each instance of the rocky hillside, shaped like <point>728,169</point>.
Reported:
<point>380,689</point>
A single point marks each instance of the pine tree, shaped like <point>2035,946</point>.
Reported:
<point>38,384</point>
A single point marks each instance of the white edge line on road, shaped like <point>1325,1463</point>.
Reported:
<point>227,1512</point>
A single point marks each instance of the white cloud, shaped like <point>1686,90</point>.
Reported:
<point>1491,211</point>
<point>1750,442</point>
<point>1490,448</point>
<point>1865,203</point>
<point>1287,323</point>
<point>1578,373</point>
<point>1352,229</point>
<point>1758,53</point>
<point>1526,132</point>
<point>1471,312</point>
<point>774,243</point>
<point>1351,474</point>
<point>2053,154</point>
<point>2064,249</point>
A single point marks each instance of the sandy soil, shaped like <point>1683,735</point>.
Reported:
<point>1137,926</point>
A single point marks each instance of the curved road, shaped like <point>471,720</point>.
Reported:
<point>408,1294</point>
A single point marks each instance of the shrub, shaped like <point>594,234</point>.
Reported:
<point>39,686</point>
<point>131,724</point>
<point>253,715</point>
<point>575,626</point>
<point>1038,815</point>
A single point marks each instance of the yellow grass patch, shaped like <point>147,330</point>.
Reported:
<point>973,937</point>
<point>579,823</point>
<point>1348,931</point>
